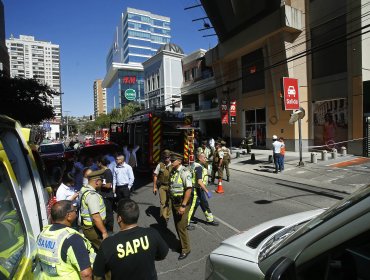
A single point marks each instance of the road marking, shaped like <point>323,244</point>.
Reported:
<point>355,161</point>
<point>226,224</point>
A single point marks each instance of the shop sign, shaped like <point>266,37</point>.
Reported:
<point>130,94</point>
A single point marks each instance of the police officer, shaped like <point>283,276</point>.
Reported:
<point>161,182</point>
<point>200,181</point>
<point>226,159</point>
<point>63,251</point>
<point>181,197</point>
<point>93,212</point>
<point>217,162</point>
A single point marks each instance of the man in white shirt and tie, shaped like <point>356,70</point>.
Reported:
<point>123,178</point>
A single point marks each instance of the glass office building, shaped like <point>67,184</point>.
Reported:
<point>137,38</point>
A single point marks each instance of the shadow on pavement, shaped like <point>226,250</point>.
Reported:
<point>170,238</point>
<point>265,201</point>
<point>252,161</point>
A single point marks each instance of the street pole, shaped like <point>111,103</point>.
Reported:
<point>301,163</point>
<point>229,104</point>
<point>67,128</point>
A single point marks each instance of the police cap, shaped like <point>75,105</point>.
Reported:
<point>223,142</point>
<point>176,156</point>
<point>96,174</point>
<point>166,153</point>
<point>204,142</point>
<point>218,144</point>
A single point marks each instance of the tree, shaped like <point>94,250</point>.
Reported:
<point>26,100</point>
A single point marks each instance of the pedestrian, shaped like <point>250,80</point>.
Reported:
<point>249,142</point>
<point>123,178</point>
<point>226,160</point>
<point>212,144</point>
<point>276,148</point>
<point>282,153</point>
<point>161,182</point>
<point>106,192</point>
<point>200,182</point>
<point>71,254</point>
<point>66,190</point>
<point>217,163</point>
<point>181,189</point>
<point>131,253</point>
<point>93,211</point>
<point>204,149</point>
<point>130,155</point>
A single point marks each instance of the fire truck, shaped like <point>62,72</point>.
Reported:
<point>155,131</point>
<point>101,136</point>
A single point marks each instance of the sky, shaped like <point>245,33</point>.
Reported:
<point>84,31</point>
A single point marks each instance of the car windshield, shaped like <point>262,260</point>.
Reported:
<point>49,149</point>
<point>292,233</point>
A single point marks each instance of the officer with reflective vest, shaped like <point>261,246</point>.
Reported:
<point>217,162</point>
<point>93,212</point>
<point>161,182</point>
<point>63,252</point>
<point>226,159</point>
<point>200,182</point>
<point>181,189</point>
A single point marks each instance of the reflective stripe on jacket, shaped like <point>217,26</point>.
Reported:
<point>85,213</point>
<point>204,175</point>
<point>49,248</point>
<point>176,184</point>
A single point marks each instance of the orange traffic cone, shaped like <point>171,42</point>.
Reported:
<point>220,189</point>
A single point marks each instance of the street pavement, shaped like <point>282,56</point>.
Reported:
<point>345,173</point>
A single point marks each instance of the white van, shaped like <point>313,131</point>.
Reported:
<point>23,200</point>
<point>331,245</point>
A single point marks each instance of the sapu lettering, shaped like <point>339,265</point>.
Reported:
<point>131,247</point>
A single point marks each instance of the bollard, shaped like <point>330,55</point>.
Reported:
<point>237,155</point>
<point>343,151</point>
<point>313,157</point>
<point>253,157</point>
<point>271,159</point>
<point>324,155</point>
<point>334,153</point>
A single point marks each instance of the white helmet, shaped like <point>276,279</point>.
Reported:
<point>274,137</point>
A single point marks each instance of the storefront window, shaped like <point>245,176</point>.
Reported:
<point>255,121</point>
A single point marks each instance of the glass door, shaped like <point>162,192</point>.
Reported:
<point>255,122</point>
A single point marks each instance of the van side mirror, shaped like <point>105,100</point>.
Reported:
<point>282,269</point>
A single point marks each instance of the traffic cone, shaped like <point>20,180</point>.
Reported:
<point>220,189</point>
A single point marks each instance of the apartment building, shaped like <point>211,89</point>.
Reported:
<point>40,60</point>
<point>100,100</point>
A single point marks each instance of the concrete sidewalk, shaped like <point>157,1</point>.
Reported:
<point>322,174</point>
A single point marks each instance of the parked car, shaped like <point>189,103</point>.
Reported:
<point>100,149</point>
<point>57,155</point>
<point>332,244</point>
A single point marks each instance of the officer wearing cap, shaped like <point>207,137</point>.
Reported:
<point>226,159</point>
<point>218,156</point>
<point>205,150</point>
<point>181,189</point>
<point>93,212</point>
<point>161,182</point>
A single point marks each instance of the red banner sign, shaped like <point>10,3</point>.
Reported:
<point>224,112</point>
<point>129,80</point>
<point>233,108</point>
<point>291,96</point>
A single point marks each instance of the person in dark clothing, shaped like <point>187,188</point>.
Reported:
<point>106,191</point>
<point>130,253</point>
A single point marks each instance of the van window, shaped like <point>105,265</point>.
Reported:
<point>12,234</point>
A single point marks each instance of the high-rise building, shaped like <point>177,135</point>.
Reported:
<point>4,56</point>
<point>137,38</point>
<point>39,60</point>
<point>100,101</point>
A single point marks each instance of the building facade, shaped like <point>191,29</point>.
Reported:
<point>321,46</point>
<point>100,99</point>
<point>4,56</point>
<point>39,60</point>
<point>137,38</point>
<point>163,78</point>
<point>198,94</point>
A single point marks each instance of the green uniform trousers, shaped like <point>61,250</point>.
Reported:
<point>219,171</point>
<point>165,202</point>
<point>93,235</point>
<point>181,222</point>
<point>225,165</point>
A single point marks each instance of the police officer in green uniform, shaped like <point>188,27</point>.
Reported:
<point>226,159</point>
<point>161,182</point>
<point>93,210</point>
<point>217,162</point>
<point>249,142</point>
<point>64,253</point>
<point>181,188</point>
